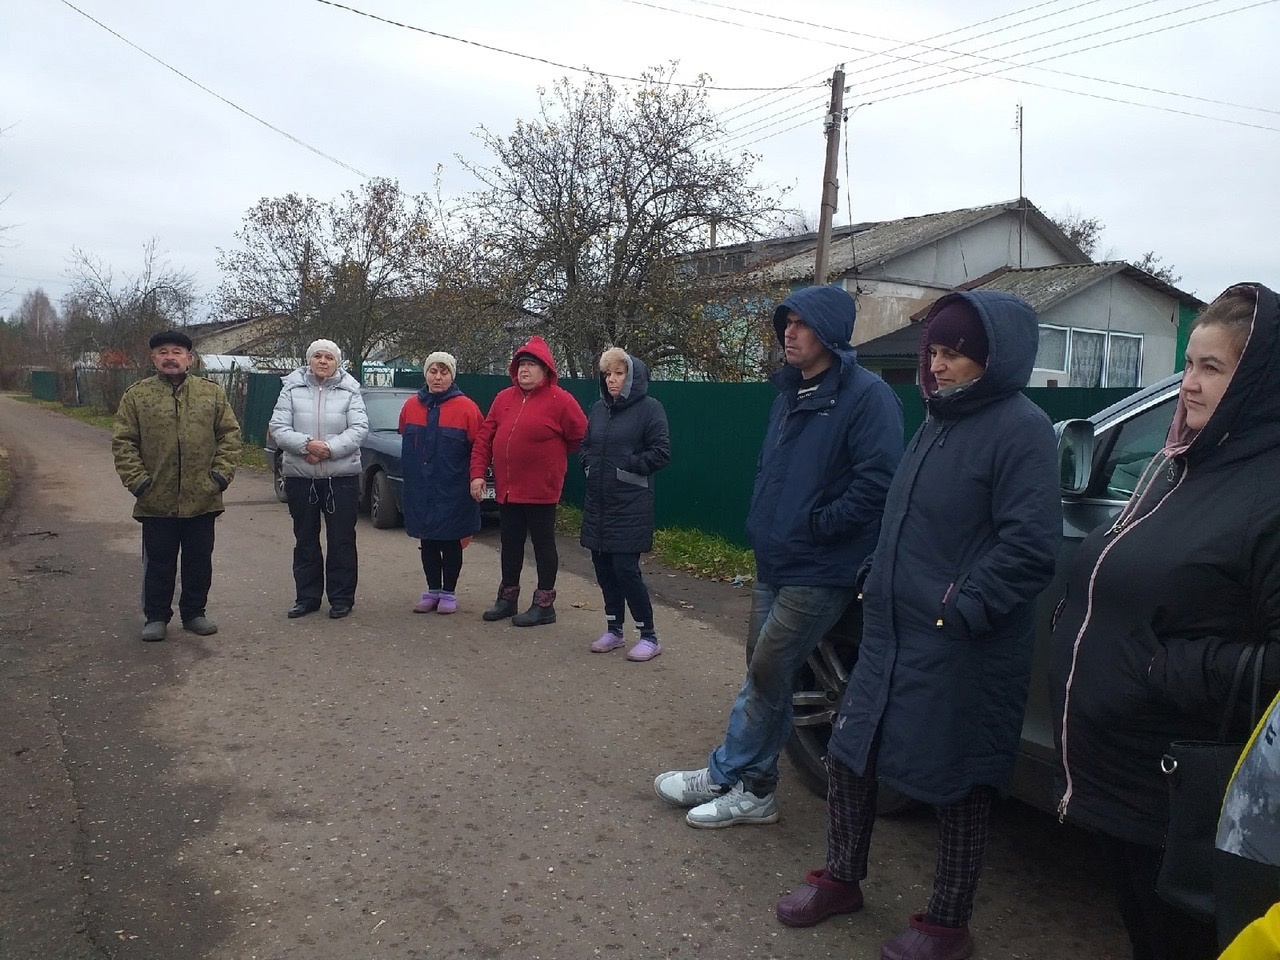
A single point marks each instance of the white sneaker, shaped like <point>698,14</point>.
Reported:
<point>738,805</point>
<point>686,788</point>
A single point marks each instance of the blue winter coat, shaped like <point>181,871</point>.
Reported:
<point>827,459</point>
<point>627,442</point>
<point>972,528</point>
<point>437,431</point>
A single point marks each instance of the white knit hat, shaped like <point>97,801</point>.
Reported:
<point>440,356</point>
<point>318,345</point>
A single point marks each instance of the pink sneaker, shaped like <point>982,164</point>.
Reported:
<point>428,602</point>
<point>646,649</point>
<point>447,603</point>
<point>608,641</point>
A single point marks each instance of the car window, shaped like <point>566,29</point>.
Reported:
<point>384,409</point>
<point>1127,448</point>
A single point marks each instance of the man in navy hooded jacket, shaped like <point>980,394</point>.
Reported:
<point>833,442</point>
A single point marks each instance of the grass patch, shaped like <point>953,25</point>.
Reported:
<point>703,554</point>
<point>6,478</point>
<point>691,551</point>
<point>90,415</point>
<point>251,456</point>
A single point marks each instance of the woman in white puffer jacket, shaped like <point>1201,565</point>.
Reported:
<point>319,423</point>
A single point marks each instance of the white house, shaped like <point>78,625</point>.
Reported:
<point>1102,324</point>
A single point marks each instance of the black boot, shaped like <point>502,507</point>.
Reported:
<point>542,610</point>
<point>505,605</point>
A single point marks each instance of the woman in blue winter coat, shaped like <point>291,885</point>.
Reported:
<point>319,423</point>
<point>934,704</point>
<point>438,425</point>
<point>627,442</point>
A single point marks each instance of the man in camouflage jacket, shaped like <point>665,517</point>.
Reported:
<point>176,445</point>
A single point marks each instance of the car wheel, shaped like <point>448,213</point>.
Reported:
<point>277,477</point>
<point>382,503</point>
<point>818,692</point>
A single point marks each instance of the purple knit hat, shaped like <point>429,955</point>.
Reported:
<point>958,326</point>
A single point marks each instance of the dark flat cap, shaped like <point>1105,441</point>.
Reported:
<point>176,337</point>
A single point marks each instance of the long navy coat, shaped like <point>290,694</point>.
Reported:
<point>971,529</point>
<point>627,442</point>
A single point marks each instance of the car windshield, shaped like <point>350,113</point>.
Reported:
<point>384,409</point>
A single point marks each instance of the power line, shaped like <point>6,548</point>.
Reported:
<point>956,54</point>
<point>235,106</point>
<point>542,60</point>
<point>996,74</point>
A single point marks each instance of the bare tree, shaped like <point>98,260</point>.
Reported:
<point>1084,232</point>
<point>349,270</point>
<point>1154,264</point>
<point>592,205</point>
<point>118,315</point>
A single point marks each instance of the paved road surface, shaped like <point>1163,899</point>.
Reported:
<point>400,786</point>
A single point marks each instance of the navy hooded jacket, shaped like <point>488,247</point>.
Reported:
<point>826,460</point>
<point>972,528</point>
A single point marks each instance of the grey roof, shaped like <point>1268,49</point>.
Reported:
<point>1045,287</point>
<point>867,245</point>
<point>1042,287</point>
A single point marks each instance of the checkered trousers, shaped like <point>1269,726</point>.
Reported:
<point>963,832</point>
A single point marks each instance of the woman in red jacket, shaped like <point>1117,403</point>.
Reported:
<point>531,429</point>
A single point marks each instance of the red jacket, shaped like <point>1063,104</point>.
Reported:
<point>529,436</point>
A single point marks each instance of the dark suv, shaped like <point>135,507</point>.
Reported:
<point>381,475</point>
<point>1100,460</point>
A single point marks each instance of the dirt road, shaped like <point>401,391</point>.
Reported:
<point>400,786</point>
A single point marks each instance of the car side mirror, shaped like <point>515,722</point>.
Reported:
<point>1075,456</point>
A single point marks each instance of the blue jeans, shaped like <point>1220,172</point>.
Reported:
<point>786,626</point>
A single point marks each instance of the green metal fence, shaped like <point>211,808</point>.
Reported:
<point>716,431</point>
<point>44,385</point>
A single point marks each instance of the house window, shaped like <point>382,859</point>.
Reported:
<point>1124,360</point>
<point>1052,352</point>
<point>1088,359</point>
<point>1091,358</point>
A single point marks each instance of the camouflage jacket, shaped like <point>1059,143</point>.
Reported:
<point>176,449</point>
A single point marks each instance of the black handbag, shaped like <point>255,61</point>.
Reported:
<point>1197,772</point>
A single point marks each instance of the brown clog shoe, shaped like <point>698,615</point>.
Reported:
<point>928,941</point>
<point>818,898</point>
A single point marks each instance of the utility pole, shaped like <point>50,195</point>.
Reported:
<point>1022,204</point>
<point>830,184</point>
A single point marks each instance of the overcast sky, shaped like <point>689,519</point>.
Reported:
<point>1160,117</point>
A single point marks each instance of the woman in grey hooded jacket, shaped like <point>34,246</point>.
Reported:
<point>319,423</point>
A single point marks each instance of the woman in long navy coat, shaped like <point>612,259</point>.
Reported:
<point>935,702</point>
<point>627,442</point>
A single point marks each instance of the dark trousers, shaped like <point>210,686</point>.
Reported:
<point>536,522</point>
<point>441,563</point>
<point>335,499</point>
<point>1156,930</point>
<point>622,586</point>
<point>963,833</point>
<point>163,539</point>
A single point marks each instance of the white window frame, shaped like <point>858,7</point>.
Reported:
<point>1107,336</point>
<point>1066,356</point>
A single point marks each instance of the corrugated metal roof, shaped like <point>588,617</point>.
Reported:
<point>877,242</point>
<point>1043,287</point>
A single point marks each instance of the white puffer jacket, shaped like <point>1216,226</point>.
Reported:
<point>332,411</point>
